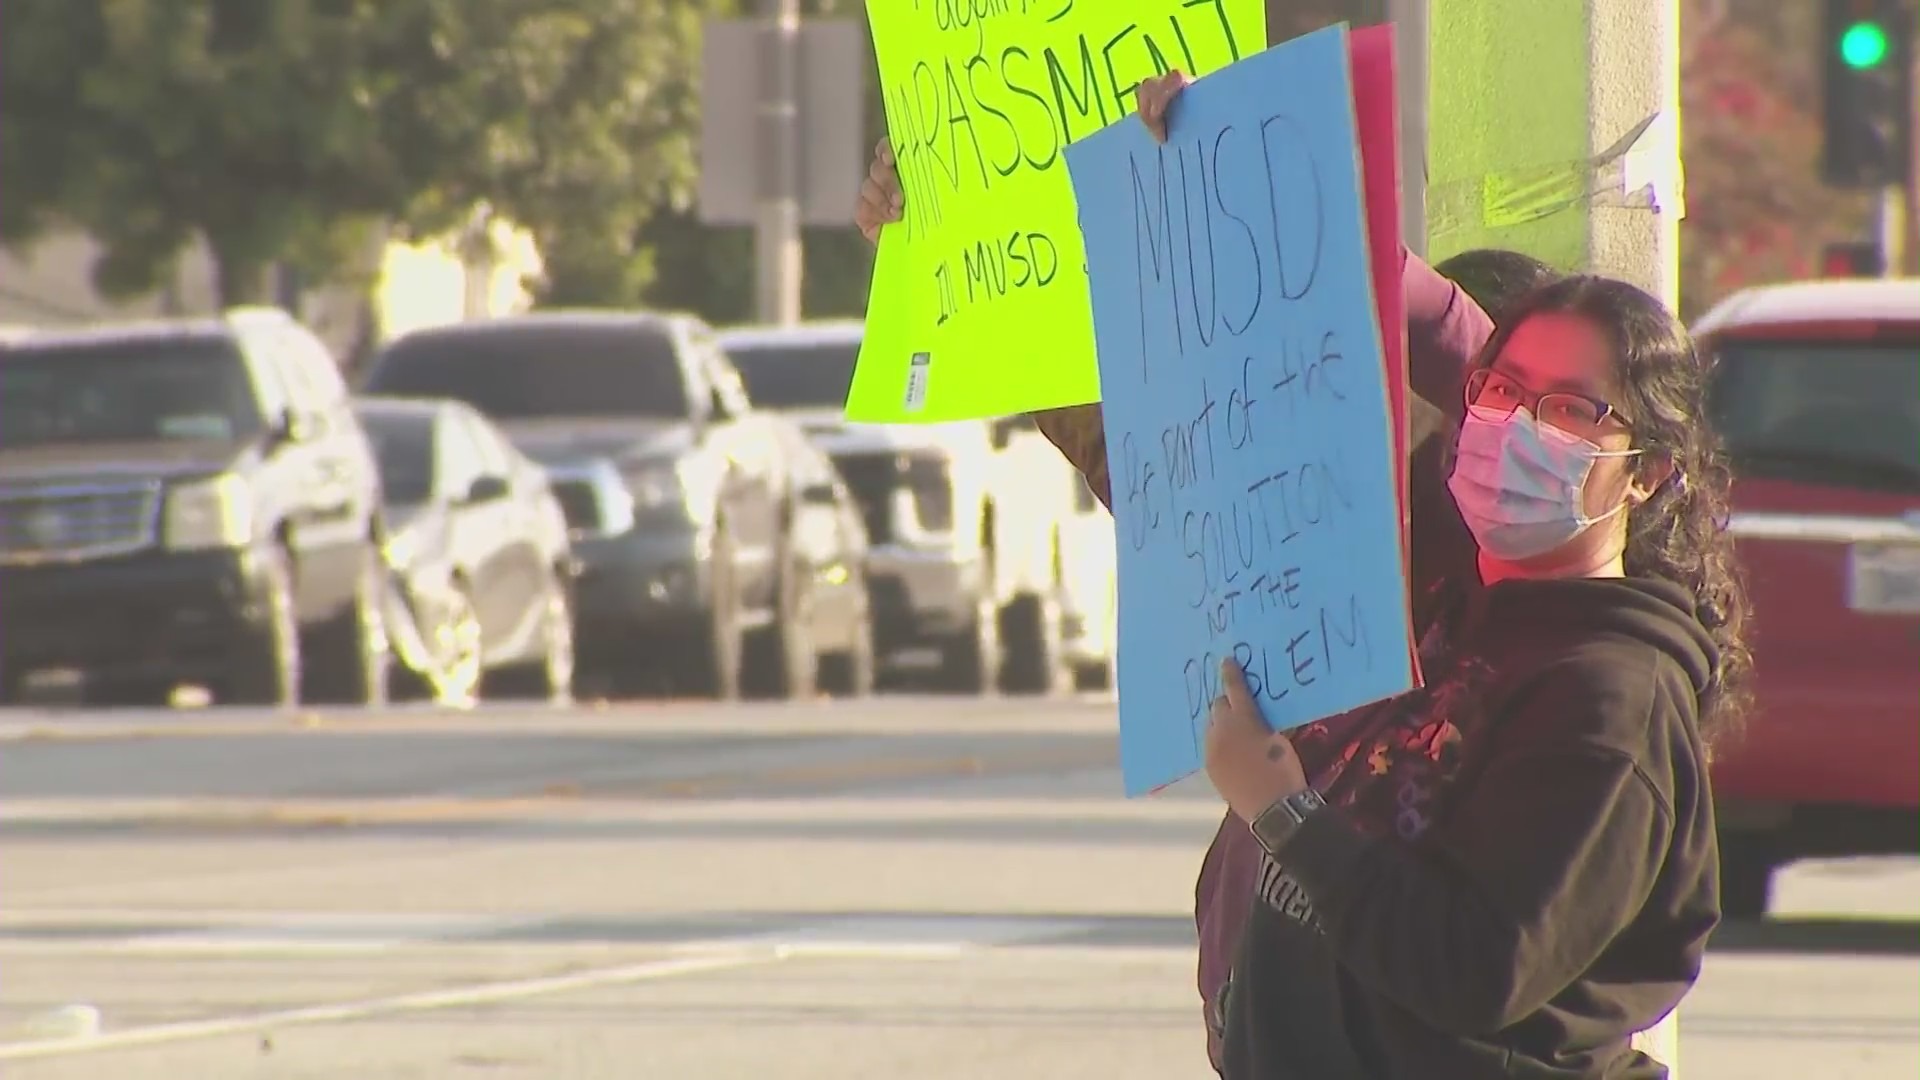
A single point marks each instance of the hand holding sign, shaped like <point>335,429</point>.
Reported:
<point>881,199</point>
<point>1248,427</point>
<point>1156,95</point>
<point>1251,766</point>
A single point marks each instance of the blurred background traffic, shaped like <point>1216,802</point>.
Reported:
<point>363,354</point>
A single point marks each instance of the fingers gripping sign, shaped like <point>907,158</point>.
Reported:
<point>1251,765</point>
<point>881,201</point>
<point>1156,97</point>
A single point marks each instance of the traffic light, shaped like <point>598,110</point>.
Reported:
<point>1867,54</point>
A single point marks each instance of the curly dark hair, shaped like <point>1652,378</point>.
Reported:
<point>1680,534</point>
<point>1495,277</point>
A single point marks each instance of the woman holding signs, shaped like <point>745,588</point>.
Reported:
<point>1513,869</point>
<point>1493,279</point>
<point>1445,327</point>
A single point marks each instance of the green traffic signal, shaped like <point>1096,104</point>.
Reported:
<point>1864,45</point>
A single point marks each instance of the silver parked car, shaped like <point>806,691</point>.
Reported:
<point>479,552</point>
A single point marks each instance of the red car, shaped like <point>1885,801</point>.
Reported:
<point>1817,392</point>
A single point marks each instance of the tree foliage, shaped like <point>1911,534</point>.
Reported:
<point>279,131</point>
<point>288,130</point>
<point>608,141</point>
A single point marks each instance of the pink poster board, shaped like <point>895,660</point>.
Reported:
<point>1371,53</point>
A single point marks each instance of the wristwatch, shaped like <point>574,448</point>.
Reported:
<point>1276,824</point>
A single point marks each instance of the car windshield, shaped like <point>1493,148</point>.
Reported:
<point>1837,413</point>
<point>403,446</point>
<point>128,390</point>
<point>795,374</point>
<point>530,371</point>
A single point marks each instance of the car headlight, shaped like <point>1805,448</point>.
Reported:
<point>214,513</point>
<point>401,549</point>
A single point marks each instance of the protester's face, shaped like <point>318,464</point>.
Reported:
<point>1564,358</point>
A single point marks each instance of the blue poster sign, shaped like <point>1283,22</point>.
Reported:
<point>1249,440</point>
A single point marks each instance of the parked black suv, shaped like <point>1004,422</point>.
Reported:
<point>702,583</point>
<point>188,502</point>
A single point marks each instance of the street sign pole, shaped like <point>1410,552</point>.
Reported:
<point>1633,72</point>
<point>1891,218</point>
<point>776,248</point>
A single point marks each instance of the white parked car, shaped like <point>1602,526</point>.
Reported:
<point>982,557</point>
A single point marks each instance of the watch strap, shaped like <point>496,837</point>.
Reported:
<point>1277,823</point>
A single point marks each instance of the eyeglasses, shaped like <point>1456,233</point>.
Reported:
<point>1575,414</point>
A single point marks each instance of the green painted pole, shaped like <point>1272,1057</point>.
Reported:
<point>1532,105</point>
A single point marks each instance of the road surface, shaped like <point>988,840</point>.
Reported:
<point>910,887</point>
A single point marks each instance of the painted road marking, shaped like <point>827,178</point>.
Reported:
<point>325,933</point>
<point>456,997</point>
<point>930,933</point>
<point>857,938</point>
<point>346,933</point>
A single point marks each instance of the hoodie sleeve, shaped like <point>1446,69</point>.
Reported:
<point>1445,330</point>
<point>1079,433</point>
<point>1543,861</point>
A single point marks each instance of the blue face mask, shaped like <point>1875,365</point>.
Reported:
<point>1520,484</point>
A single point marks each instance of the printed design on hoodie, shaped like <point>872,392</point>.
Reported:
<point>1388,775</point>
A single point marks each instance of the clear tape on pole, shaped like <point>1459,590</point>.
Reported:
<point>1640,171</point>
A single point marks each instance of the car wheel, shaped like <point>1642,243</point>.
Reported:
<point>549,679</point>
<point>1094,677</point>
<point>851,673</point>
<point>353,659</point>
<point>560,660</point>
<point>266,666</point>
<point>1030,637</point>
<point>408,677</point>
<point>780,660</point>
<point>458,652</point>
<point>1748,860</point>
<point>862,666</point>
<point>714,668</point>
<point>970,664</point>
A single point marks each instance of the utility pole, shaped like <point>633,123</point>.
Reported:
<point>1521,95</point>
<point>1411,57</point>
<point>776,246</point>
<point>1891,217</point>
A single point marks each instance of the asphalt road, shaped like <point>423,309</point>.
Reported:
<point>910,887</point>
